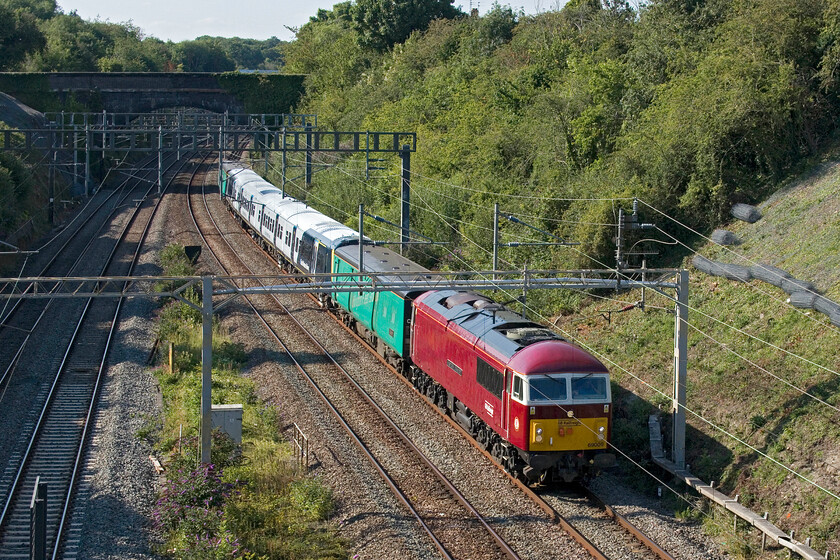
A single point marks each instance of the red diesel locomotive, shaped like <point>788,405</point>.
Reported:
<point>540,405</point>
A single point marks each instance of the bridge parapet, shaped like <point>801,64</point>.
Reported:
<point>141,92</point>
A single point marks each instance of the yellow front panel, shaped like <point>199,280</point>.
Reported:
<point>563,434</point>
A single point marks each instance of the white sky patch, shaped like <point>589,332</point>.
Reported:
<point>181,20</point>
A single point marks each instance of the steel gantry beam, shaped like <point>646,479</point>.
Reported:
<point>139,286</point>
<point>180,119</point>
<point>146,140</point>
<point>227,288</point>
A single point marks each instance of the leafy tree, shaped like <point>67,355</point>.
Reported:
<point>383,23</point>
<point>19,36</point>
<point>73,45</point>
<point>128,51</point>
<point>328,52</point>
<point>829,66</point>
<point>250,53</point>
<point>203,56</point>
<point>40,9</point>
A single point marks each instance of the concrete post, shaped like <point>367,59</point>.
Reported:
<point>206,364</point>
<point>405,184</point>
<point>51,205</point>
<point>524,290</point>
<point>75,156</point>
<point>680,370</point>
<point>619,243</point>
<point>87,159</point>
<point>361,239</point>
<point>221,150</point>
<point>308,155</point>
<point>283,166</point>
<point>160,159</point>
<point>38,521</point>
<point>495,240</point>
<point>178,136</point>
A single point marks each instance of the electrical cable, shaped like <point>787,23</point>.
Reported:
<point>724,247</point>
<point>757,288</point>
<point>802,477</point>
<point>446,218</point>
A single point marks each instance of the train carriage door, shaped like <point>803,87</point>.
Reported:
<point>276,229</point>
<point>306,253</point>
<point>322,261</point>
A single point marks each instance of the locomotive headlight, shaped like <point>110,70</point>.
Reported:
<point>601,430</point>
<point>539,431</point>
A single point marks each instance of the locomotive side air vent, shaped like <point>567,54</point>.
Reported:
<point>529,335</point>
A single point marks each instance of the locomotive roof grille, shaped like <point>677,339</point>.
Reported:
<point>528,334</point>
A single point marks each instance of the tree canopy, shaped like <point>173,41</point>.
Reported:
<point>694,104</point>
<point>383,23</point>
<point>37,36</point>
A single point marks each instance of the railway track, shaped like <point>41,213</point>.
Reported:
<point>455,527</point>
<point>57,441</point>
<point>614,536</point>
<point>22,317</point>
<point>600,530</point>
<point>609,536</point>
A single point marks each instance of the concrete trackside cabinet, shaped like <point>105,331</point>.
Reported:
<point>228,418</point>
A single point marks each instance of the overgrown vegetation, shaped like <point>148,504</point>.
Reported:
<point>24,203</point>
<point>37,36</point>
<point>689,105</point>
<point>250,501</point>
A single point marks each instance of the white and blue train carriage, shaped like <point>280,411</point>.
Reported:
<point>293,231</point>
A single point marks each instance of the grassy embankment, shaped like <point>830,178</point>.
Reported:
<point>760,397</point>
<point>253,501</point>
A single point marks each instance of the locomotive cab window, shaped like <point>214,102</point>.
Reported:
<point>518,393</point>
<point>589,387</point>
<point>544,388</point>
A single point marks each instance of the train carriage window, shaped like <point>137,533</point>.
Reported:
<point>322,263</point>
<point>489,377</point>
